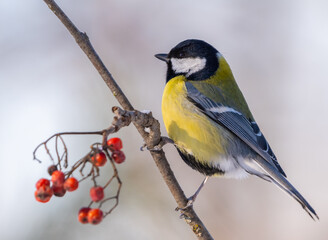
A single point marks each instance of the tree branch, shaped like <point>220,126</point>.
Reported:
<point>151,139</point>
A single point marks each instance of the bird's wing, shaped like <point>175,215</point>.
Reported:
<point>249,133</point>
<point>247,130</point>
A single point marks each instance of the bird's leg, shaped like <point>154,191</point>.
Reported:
<point>158,147</point>
<point>192,198</point>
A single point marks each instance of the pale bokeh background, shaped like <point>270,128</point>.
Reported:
<point>278,52</point>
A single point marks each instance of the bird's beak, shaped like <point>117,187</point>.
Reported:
<point>163,57</point>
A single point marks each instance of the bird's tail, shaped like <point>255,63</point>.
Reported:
<point>273,175</point>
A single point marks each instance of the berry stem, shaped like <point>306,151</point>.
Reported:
<point>116,176</point>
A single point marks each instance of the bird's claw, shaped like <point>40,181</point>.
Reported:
<point>183,209</point>
<point>143,147</point>
<point>190,203</point>
<point>158,147</point>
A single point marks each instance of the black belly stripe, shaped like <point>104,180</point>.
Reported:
<point>200,167</point>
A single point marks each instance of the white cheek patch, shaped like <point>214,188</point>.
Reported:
<point>188,65</point>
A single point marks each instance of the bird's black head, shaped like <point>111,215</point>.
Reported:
<point>195,59</point>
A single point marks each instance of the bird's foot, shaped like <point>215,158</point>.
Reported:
<point>182,210</point>
<point>190,203</point>
<point>191,200</point>
<point>158,147</point>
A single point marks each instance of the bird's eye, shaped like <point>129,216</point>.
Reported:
<point>181,55</point>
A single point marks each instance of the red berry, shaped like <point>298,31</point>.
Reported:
<point>42,182</point>
<point>95,216</point>
<point>118,156</point>
<point>57,178</point>
<point>114,144</point>
<point>83,215</point>
<point>99,159</point>
<point>96,194</point>
<point>59,191</point>
<point>71,184</point>
<point>51,169</point>
<point>43,194</point>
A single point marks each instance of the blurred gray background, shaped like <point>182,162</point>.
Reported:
<point>278,52</point>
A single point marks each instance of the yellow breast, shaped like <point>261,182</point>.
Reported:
<point>190,129</point>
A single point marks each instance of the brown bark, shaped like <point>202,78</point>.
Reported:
<point>140,120</point>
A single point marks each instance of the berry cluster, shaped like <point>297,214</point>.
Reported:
<point>88,215</point>
<point>114,145</point>
<point>61,182</point>
<point>60,185</point>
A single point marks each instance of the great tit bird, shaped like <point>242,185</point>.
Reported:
<point>207,117</point>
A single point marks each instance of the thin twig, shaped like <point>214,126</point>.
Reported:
<point>60,134</point>
<point>151,139</point>
<point>119,182</point>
